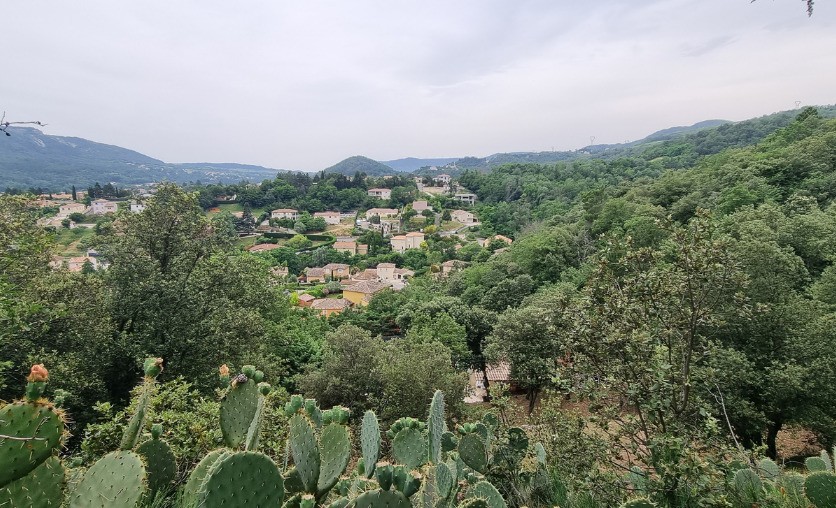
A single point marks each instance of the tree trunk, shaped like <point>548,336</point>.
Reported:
<point>532,399</point>
<point>484,369</point>
<point>771,434</point>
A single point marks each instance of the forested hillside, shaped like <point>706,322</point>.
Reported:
<point>666,312</point>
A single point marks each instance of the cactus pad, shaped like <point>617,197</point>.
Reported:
<point>370,442</point>
<point>42,426</point>
<point>826,459</point>
<point>198,475</point>
<point>409,448</point>
<point>444,480</point>
<point>160,464</point>
<point>449,442</point>
<point>793,488</point>
<point>472,452</point>
<point>486,491</point>
<point>820,489</point>
<point>43,486</point>
<point>382,499</point>
<point>335,452</point>
<point>436,426</point>
<point>293,482</point>
<point>748,486</point>
<point>517,439</point>
<point>117,480</point>
<point>238,408</point>
<point>768,469</point>
<point>303,446</point>
<point>815,464</point>
<point>242,479</point>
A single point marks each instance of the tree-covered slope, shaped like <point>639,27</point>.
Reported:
<point>358,163</point>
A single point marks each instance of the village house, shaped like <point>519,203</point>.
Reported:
<point>332,218</point>
<point>410,240</point>
<point>284,213</point>
<point>279,271</point>
<point>442,179</point>
<point>71,208</point>
<point>316,274</point>
<point>463,216</point>
<point>361,292</point>
<point>305,300</point>
<point>137,207</point>
<point>102,206</point>
<point>497,373</point>
<point>380,193</point>
<point>76,264</point>
<point>465,197</point>
<point>388,272</point>
<point>330,306</point>
<point>420,206</point>
<point>381,212</point>
<point>337,271</point>
<point>453,264</point>
<point>351,247</point>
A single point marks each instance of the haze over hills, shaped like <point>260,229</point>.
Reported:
<point>30,158</point>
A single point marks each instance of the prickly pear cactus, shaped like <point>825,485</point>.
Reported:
<point>152,368</point>
<point>486,491</point>
<point>241,479</point>
<point>31,430</point>
<point>305,451</point>
<point>382,499</point>
<point>748,486</point>
<point>791,485</point>
<point>828,465</point>
<point>238,409</point>
<point>43,486</point>
<point>815,464</point>
<point>160,464</point>
<point>768,469</point>
<point>117,480</point>
<point>409,448</point>
<point>436,427</point>
<point>820,489</point>
<point>199,474</point>
<point>370,442</point>
<point>473,453</point>
<point>335,451</point>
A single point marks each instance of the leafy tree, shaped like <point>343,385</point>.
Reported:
<point>299,242</point>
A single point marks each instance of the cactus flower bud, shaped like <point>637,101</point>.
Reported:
<point>248,370</point>
<point>264,388</point>
<point>156,430</point>
<point>258,376</point>
<point>38,374</point>
<point>153,367</point>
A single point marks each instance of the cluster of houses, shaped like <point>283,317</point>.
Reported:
<point>357,288</point>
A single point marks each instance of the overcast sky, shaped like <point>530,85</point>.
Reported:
<point>302,85</point>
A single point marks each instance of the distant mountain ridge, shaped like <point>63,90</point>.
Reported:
<point>30,158</point>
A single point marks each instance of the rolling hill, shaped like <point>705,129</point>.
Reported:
<point>30,158</point>
<point>352,165</point>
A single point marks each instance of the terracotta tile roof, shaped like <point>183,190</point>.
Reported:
<point>415,233</point>
<point>285,210</point>
<point>345,245</point>
<point>335,266</point>
<point>367,274</point>
<point>499,372</point>
<point>315,272</point>
<point>368,287</point>
<point>386,265</point>
<point>306,298</point>
<point>330,304</point>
